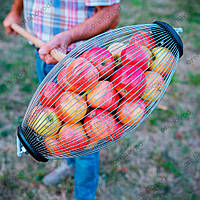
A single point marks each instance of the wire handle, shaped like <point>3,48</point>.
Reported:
<point>37,42</point>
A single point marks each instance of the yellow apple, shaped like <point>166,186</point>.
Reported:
<point>71,107</point>
<point>163,61</point>
<point>44,121</point>
<point>154,86</point>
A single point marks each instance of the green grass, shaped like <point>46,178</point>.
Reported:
<point>21,175</point>
<point>28,87</point>
<point>1,124</point>
<point>4,133</point>
<point>138,3</point>
<point>171,167</point>
<point>4,87</point>
<point>194,78</point>
<point>161,116</point>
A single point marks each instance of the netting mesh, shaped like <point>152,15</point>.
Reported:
<point>101,91</point>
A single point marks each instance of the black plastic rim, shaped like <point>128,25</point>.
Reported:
<point>173,35</point>
<point>31,150</point>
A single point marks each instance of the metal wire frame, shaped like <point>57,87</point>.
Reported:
<point>76,53</point>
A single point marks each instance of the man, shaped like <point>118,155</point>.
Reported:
<point>61,24</point>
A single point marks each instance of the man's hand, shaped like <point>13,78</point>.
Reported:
<point>11,18</point>
<point>106,17</point>
<point>60,42</point>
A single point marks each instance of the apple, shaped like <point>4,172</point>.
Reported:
<point>129,81</point>
<point>130,112</point>
<point>84,95</point>
<point>116,49</point>
<point>44,121</point>
<point>79,76</point>
<point>154,86</point>
<point>164,61</point>
<point>73,137</point>
<point>151,57</point>
<point>137,56</point>
<point>71,107</point>
<point>102,59</point>
<point>143,38</point>
<point>103,96</point>
<point>54,147</point>
<point>101,124</point>
<point>50,93</point>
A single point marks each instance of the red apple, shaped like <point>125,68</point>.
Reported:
<point>143,38</point>
<point>54,147</point>
<point>137,56</point>
<point>101,124</point>
<point>70,138</point>
<point>129,82</point>
<point>71,107</point>
<point>50,93</point>
<point>131,112</point>
<point>102,59</point>
<point>103,96</point>
<point>73,137</point>
<point>79,76</point>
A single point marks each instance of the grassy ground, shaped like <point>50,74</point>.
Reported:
<point>160,160</point>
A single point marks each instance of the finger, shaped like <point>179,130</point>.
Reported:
<point>43,56</point>
<point>47,47</point>
<point>7,27</point>
<point>8,30</point>
<point>51,60</point>
<point>15,33</point>
<point>44,50</point>
<point>44,53</point>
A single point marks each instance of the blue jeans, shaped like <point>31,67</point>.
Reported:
<point>86,172</point>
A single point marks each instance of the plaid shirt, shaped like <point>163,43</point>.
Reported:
<point>46,18</point>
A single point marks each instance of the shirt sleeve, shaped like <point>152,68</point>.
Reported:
<point>101,2</point>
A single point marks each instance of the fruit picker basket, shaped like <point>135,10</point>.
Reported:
<point>100,92</point>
